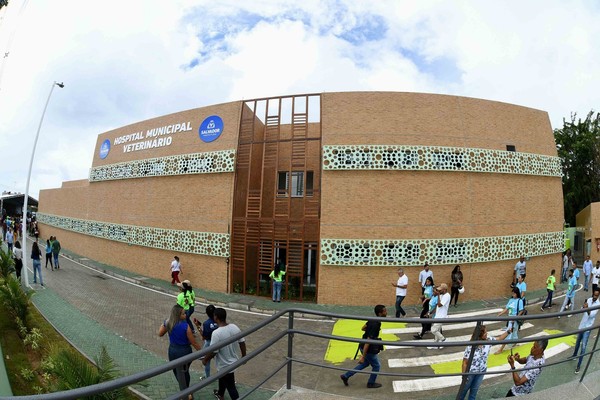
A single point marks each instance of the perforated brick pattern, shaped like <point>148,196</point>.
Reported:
<point>439,251</point>
<point>195,163</point>
<point>437,158</point>
<point>207,243</point>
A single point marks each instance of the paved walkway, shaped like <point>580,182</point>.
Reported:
<point>91,309</point>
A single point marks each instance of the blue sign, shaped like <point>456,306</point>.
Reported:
<point>211,128</point>
<point>104,149</point>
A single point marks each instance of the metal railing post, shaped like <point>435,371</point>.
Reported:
<point>476,333</point>
<point>589,361</point>
<point>290,349</point>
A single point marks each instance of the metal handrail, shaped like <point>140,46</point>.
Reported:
<point>291,331</point>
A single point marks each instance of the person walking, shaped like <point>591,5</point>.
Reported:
<point>37,265</point>
<point>566,265</point>
<point>426,299</point>
<point>18,256</point>
<point>401,289</point>
<point>522,286</point>
<point>226,355</point>
<point>524,381</point>
<point>550,289</point>
<point>457,281</point>
<point>570,295</point>
<point>55,252</point>
<point>175,271</point>
<point>369,351</point>
<point>514,307</point>
<point>187,300</point>
<point>587,270</point>
<point>441,312</point>
<point>595,276</point>
<point>181,341</point>
<point>207,329</point>
<point>423,275</point>
<point>576,272</point>
<point>10,240</point>
<point>479,362</point>
<point>587,320</point>
<point>277,275</point>
<point>49,254</point>
<point>520,269</point>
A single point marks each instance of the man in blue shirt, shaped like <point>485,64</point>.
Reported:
<point>570,296</point>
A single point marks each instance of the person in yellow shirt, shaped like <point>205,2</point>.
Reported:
<point>277,275</point>
<point>550,289</point>
<point>187,300</point>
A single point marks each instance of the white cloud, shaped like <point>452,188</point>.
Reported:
<point>125,61</point>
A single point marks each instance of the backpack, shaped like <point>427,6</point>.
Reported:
<point>524,310</point>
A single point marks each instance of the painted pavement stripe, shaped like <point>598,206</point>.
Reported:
<point>448,327</point>
<point>442,358</point>
<point>462,338</point>
<point>448,381</point>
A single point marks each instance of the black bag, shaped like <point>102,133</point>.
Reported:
<point>373,348</point>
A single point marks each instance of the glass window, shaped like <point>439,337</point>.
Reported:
<point>309,183</point>
<point>283,183</point>
<point>297,184</point>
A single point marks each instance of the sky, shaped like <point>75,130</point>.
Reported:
<point>124,61</point>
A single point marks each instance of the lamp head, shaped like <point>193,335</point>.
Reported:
<point>60,84</point>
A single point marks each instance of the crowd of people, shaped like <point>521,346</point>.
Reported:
<point>436,301</point>
<point>187,333</point>
<point>183,330</point>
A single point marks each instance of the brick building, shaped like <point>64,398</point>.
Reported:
<point>342,187</point>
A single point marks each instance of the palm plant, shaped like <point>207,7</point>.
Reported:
<point>7,264</point>
<point>74,371</point>
<point>14,298</point>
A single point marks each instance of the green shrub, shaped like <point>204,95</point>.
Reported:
<point>14,298</point>
<point>7,265</point>
<point>74,371</point>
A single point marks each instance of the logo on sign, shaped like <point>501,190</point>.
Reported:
<point>104,149</point>
<point>211,128</point>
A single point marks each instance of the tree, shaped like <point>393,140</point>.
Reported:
<point>578,145</point>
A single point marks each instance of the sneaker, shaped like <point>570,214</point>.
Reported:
<point>431,348</point>
<point>344,379</point>
<point>558,317</point>
<point>569,316</point>
<point>576,370</point>
<point>216,393</point>
<point>418,337</point>
<point>373,385</point>
<point>542,309</point>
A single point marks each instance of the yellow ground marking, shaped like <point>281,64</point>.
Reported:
<point>495,360</point>
<point>339,351</point>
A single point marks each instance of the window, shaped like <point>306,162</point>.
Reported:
<point>297,184</point>
<point>282,183</point>
<point>298,188</point>
<point>309,183</point>
<point>510,147</point>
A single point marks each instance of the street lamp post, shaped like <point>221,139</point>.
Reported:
<point>26,199</point>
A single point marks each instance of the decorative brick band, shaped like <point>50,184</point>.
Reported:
<point>409,252</point>
<point>195,163</point>
<point>207,243</point>
<point>437,158</point>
